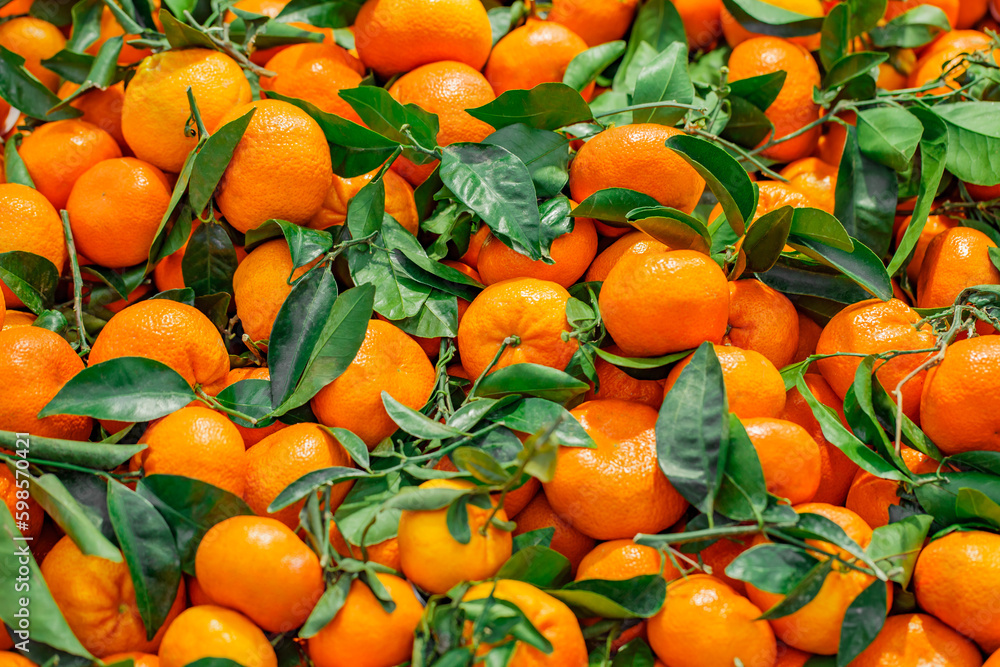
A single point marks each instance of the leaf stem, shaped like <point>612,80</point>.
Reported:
<point>651,105</point>
<point>509,341</point>
<point>77,284</point>
<point>214,403</point>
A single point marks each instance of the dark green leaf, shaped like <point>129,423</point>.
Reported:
<point>457,520</point>
<point>895,546</point>
<point>310,482</point>
<point>324,14</point>
<point>544,153</point>
<point>86,454</point>
<point>210,261</point>
<point>760,91</point>
<point>638,597</point>
<point>532,380</point>
<point>819,225</point>
<point>743,493</point>
<point>657,25</point>
<point>889,135</point>
<point>48,624</point>
<point>190,508</point>
<point>866,196</point>
<point>366,209</point>
<point>354,149</point>
<point>613,204</point>
<point>728,181</point>
<point>676,229</point>
<point>587,65</point>
<point>329,605</point>
<point>384,115</point>
<point>860,265</point>
<point>252,397</point>
<point>479,464</point>
<point>328,352</point>
<point>803,592</point>
<point>775,568</point>
<point>851,67</point>
<point>792,277</point>
<point>664,79</point>
<point>27,94</point>
<point>127,389</point>
<point>14,167</point>
<point>212,160</point>
<point>973,140</point>
<point>86,25</point>
<point>766,238</point>
<point>414,422</point>
<point>644,368</point>
<point>149,550</point>
<point>748,125</point>
<point>862,622</point>
<point>495,184</point>
<point>534,414</point>
<point>547,106</point>
<point>31,278</point>
<point>911,29</point>
<point>49,491</point>
<point>692,430</point>
<point>762,17</point>
<point>835,38</point>
<point>304,244</point>
<point>635,654</point>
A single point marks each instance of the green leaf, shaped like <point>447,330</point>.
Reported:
<point>32,279</point>
<point>835,38</point>
<point>503,19</point>
<point>539,537</point>
<point>148,547</point>
<point>973,140</point>
<point>803,592</point>
<point>638,597</point>
<point>807,280</point>
<point>911,29</point>
<point>479,464</point>
<point>851,67</point>
<point>86,454</point>
<point>728,181</point>
<point>14,167</point>
<point>692,431</point>
<point>748,125</point>
<point>975,506</point>
<point>895,546</point>
<point>329,605</point>
<point>644,368</point>
<point>766,19</point>
<point>544,153</point>
<point>547,106</point>
<point>397,294</point>
<point>325,351</point>
<point>766,238</point>
<point>587,65</point>
<point>534,414</point>
<point>635,654</point>
<point>311,482</point>
<point>860,265</point>
<point>760,91</point>
<point>126,389</point>
<point>304,244</point>
<point>674,228</point>
<point>86,25</point>
<point>819,225</point>
<point>864,618</point>
<point>178,34</point>
<point>103,72</point>
<point>323,14</point>
<point>457,520</point>
<point>384,115</point>
<point>210,261</point>
<point>775,568</point>
<point>743,493</point>
<point>817,527</point>
<point>252,397</point>
<point>664,79</point>
<point>72,517</point>
<point>190,507</point>
<point>18,564</point>
<point>837,435</point>
<point>657,25</point>
<point>537,565</point>
<point>613,204</point>
<point>213,158</point>
<point>495,184</point>
<point>354,149</point>
<point>532,380</point>
<point>889,135</point>
<point>414,422</point>
<point>24,92</point>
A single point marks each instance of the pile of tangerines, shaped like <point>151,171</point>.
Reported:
<point>456,332</point>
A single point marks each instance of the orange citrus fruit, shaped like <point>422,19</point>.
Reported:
<point>537,52</point>
<point>616,489</point>
<point>399,201</point>
<point>316,73</point>
<point>789,457</point>
<point>762,319</point>
<point>211,631</point>
<point>955,259</point>
<point>596,21</point>
<point>34,40</point>
<point>566,539</point>
<point>572,252</point>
